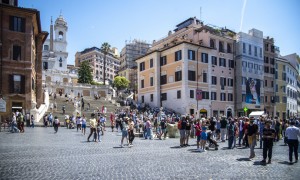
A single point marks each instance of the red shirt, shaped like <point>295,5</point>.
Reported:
<point>198,129</point>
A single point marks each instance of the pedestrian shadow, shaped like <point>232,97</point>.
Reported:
<point>176,147</point>
<point>118,147</point>
<point>285,163</point>
<point>225,148</point>
<point>259,163</point>
<point>243,159</point>
<point>283,145</point>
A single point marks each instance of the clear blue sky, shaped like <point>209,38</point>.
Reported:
<point>92,22</point>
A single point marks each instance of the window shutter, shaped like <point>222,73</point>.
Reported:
<point>22,84</point>
<point>23,25</point>
<point>11,23</point>
<point>11,83</point>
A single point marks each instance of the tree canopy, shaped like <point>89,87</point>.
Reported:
<point>85,73</point>
<point>121,82</point>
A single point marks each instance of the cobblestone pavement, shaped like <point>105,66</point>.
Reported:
<point>40,154</point>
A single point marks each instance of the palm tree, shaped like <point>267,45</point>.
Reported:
<point>105,47</point>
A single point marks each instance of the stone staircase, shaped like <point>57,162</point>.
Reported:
<point>70,109</point>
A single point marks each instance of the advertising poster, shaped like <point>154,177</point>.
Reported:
<point>253,91</point>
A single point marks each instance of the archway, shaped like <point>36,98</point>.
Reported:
<point>203,113</point>
<point>229,112</point>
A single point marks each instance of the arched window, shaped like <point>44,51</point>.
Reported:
<point>60,62</point>
<point>60,35</point>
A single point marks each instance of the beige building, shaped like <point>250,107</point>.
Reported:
<point>191,71</point>
<point>95,57</point>
<point>21,57</point>
<point>269,76</point>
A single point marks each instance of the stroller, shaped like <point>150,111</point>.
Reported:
<point>212,143</point>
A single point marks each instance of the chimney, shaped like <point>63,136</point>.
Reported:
<point>51,36</point>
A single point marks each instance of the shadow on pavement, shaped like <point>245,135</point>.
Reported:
<point>176,147</point>
<point>243,159</point>
<point>225,148</point>
<point>257,163</point>
<point>285,162</point>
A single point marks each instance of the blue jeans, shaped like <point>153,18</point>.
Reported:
<point>14,128</point>
<point>230,141</point>
<point>149,133</point>
<point>99,134</point>
<point>241,134</point>
<point>260,140</point>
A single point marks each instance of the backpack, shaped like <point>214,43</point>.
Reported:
<point>179,124</point>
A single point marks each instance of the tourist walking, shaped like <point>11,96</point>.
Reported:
<point>32,121</point>
<point>268,136</point>
<point>93,125</point>
<point>124,131</point>
<point>163,126</point>
<point>78,122</point>
<point>223,128</point>
<point>292,134</point>
<point>198,133</point>
<point>231,133</point>
<point>182,128</point>
<point>187,131</point>
<point>56,124</point>
<point>252,132</point>
<point>130,132</point>
<point>83,129</point>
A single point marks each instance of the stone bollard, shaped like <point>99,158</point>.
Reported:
<point>172,130</point>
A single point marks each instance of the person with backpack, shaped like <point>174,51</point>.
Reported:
<point>56,124</point>
<point>268,138</point>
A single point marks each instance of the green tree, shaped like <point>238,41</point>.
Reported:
<point>105,47</point>
<point>121,82</point>
<point>85,73</point>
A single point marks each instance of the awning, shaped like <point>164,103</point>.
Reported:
<point>257,114</point>
<point>16,107</point>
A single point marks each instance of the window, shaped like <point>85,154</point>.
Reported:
<point>222,62</point>
<point>205,95</point>
<point>272,61</point>
<point>244,97</point>
<point>204,77</point>
<point>60,64</point>
<point>223,96</point>
<point>266,83</point>
<point>151,81</point>
<point>214,80</point>
<point>231,63</point>
<point>163,60</point>
<point>272,70</point>
<point>16,52</point>
<point>249,50</point>
<point>229,48</point>
<point>17,24</point>
<point>213,96</point>
<point>192,76</point>
<point>260,52</point>
<point>179,94</point>
<point>276,88</point>
<point>272,48</point>
<point>272,83</point>
<point>266,60</point>
<point>283,89</point>
<point>17,84</point>
<point>284,99</point>
<point>221,46</point>
<point>266,99</point>
<point>230,97</point>
<point>212,43</point>
<point>178,75</point>
<point>151,97</point>
<point>266,47</point>
<point>163,79</point>
<point>244,48</point>
<point>244,64</point>
<point>45,65</point>
<point>46,47</point>
<point>204,57</point>
<point>142,83</point>
<point>164,96</point>
<point>143,100</point>
<point>178,55</point>
<point>151,63</point>
<point>230,82</point>
<point>191,55</point>
<point>142,66</point>
<point>255,51</point>
<point>223,82</point>
<point>214,60</point>
<point>192,94</point>
<point>284,76</point>
<point>266,69</point>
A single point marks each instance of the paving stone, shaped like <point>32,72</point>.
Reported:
<point>39,153</point>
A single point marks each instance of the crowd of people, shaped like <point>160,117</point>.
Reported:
<point>238,132</point>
